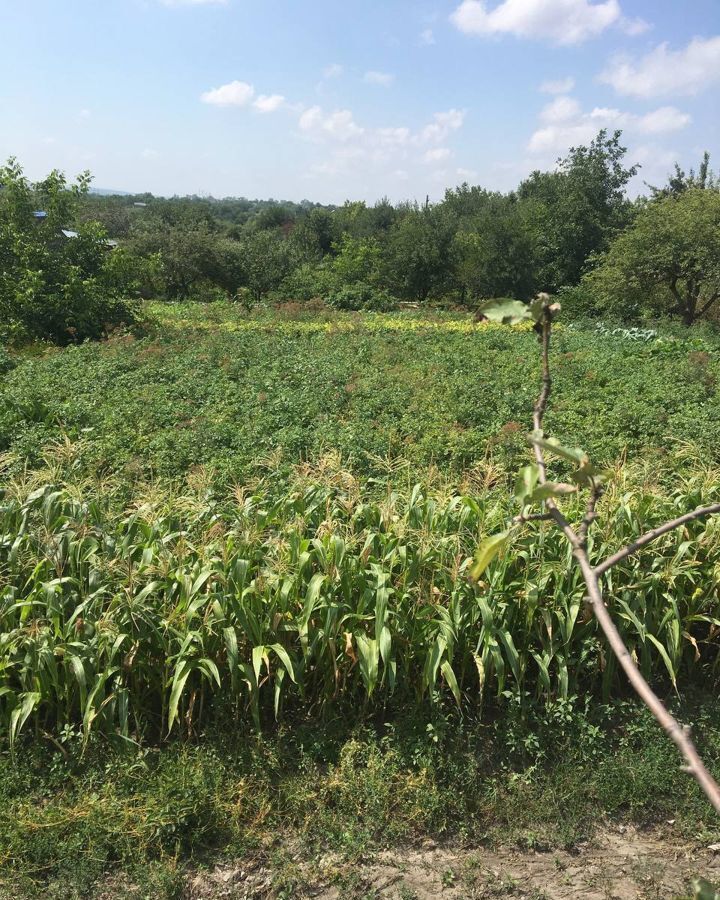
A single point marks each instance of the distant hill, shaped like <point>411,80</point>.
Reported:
<point>105,192</point>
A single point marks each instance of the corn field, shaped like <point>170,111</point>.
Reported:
<point>147,622</point>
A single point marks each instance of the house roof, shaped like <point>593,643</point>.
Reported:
<point>40,214</point>
<point>69,234</point>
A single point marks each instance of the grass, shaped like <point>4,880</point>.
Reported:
<point>340,792</point>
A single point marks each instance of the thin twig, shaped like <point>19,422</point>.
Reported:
<point>534,517</point>
<point>652,535</point>
<point>679,735</point>
<point>590,512</point>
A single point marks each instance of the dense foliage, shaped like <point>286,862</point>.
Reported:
<point>56,283</point>
<point>572,229</point>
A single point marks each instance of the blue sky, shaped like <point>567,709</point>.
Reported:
<point>351,99</point>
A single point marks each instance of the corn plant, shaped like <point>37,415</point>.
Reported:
<point>155,621</point>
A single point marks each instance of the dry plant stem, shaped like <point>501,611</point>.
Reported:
<point>679,735</point>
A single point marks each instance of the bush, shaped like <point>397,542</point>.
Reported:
<point>308,282</point>
<point>54,284</point>
<point>6,361</point>
<point>359,296</point>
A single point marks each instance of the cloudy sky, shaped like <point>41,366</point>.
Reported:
<point>337,99</point>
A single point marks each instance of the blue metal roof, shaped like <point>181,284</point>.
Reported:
<point>40,214</point>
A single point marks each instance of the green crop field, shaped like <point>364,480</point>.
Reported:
<point>236,525</point>
<point>212,387</point>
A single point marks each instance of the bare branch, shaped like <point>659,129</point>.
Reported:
<point>534,517</point>
<point>679,735</point>
<point>653,535</point>
<point>590,512</point>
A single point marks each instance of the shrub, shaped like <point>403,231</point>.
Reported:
<point>359,296</point>
<point>308,282</point>
<point>55,284</point>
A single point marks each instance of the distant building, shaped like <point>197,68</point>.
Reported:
<point>140,205</point>
<point>39,215</point>
<point>69,234</point>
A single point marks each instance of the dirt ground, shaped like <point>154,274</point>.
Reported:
<point>619,864</point>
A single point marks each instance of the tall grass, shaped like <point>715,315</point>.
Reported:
<point>150,621</point>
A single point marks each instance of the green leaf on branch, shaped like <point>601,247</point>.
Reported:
<point>553,445</point>
<point>507,312</point>
<point>487,551</point>
<point>551,489</point>
<point>586,474</point>
<point>526,482</point>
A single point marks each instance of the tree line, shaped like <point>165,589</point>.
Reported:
<point>573,230</point>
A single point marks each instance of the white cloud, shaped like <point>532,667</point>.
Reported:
<point>149,153</point>
<point>664,72</point>
<point>564,124</point>
<point>427,38</point>
<point>383,78</point>
<point>663,120</point>
<point>561,86</point>
<point>236,93</point>
<point>634,27</point>
<point>467,174</point>
<point>333,71</point>
<point>267,103</point>
<point>558,21</point>
<point>393,136</point>
<point>442,125</point>
<point>437,154</point>
<point>561,110</point>
<point>84,114</point>
<point>338,125</point>
<point>381,153</point>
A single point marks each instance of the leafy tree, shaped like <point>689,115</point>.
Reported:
<point>266,260</point>
<point>418,257</point>
<point>188,252</point>
<point>495,258</point>
<point>679,182</point>
<point>55,285</point>
<point>668,259</point>
<point>356,260</point>
<point>578,208</point>
<point>314,235</point>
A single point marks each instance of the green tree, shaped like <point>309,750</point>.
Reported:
<point>314,235</point>
<point>188,251</point>
<point>356,260</point>
<point>578,208</point>
<point>668,260</point>
<point>266,260</point>
<point>56,281</point>
<point>679,181</point>
<point>419,257</point>
<point>495,252</point>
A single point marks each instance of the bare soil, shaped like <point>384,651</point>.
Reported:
<point>620,863</point>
